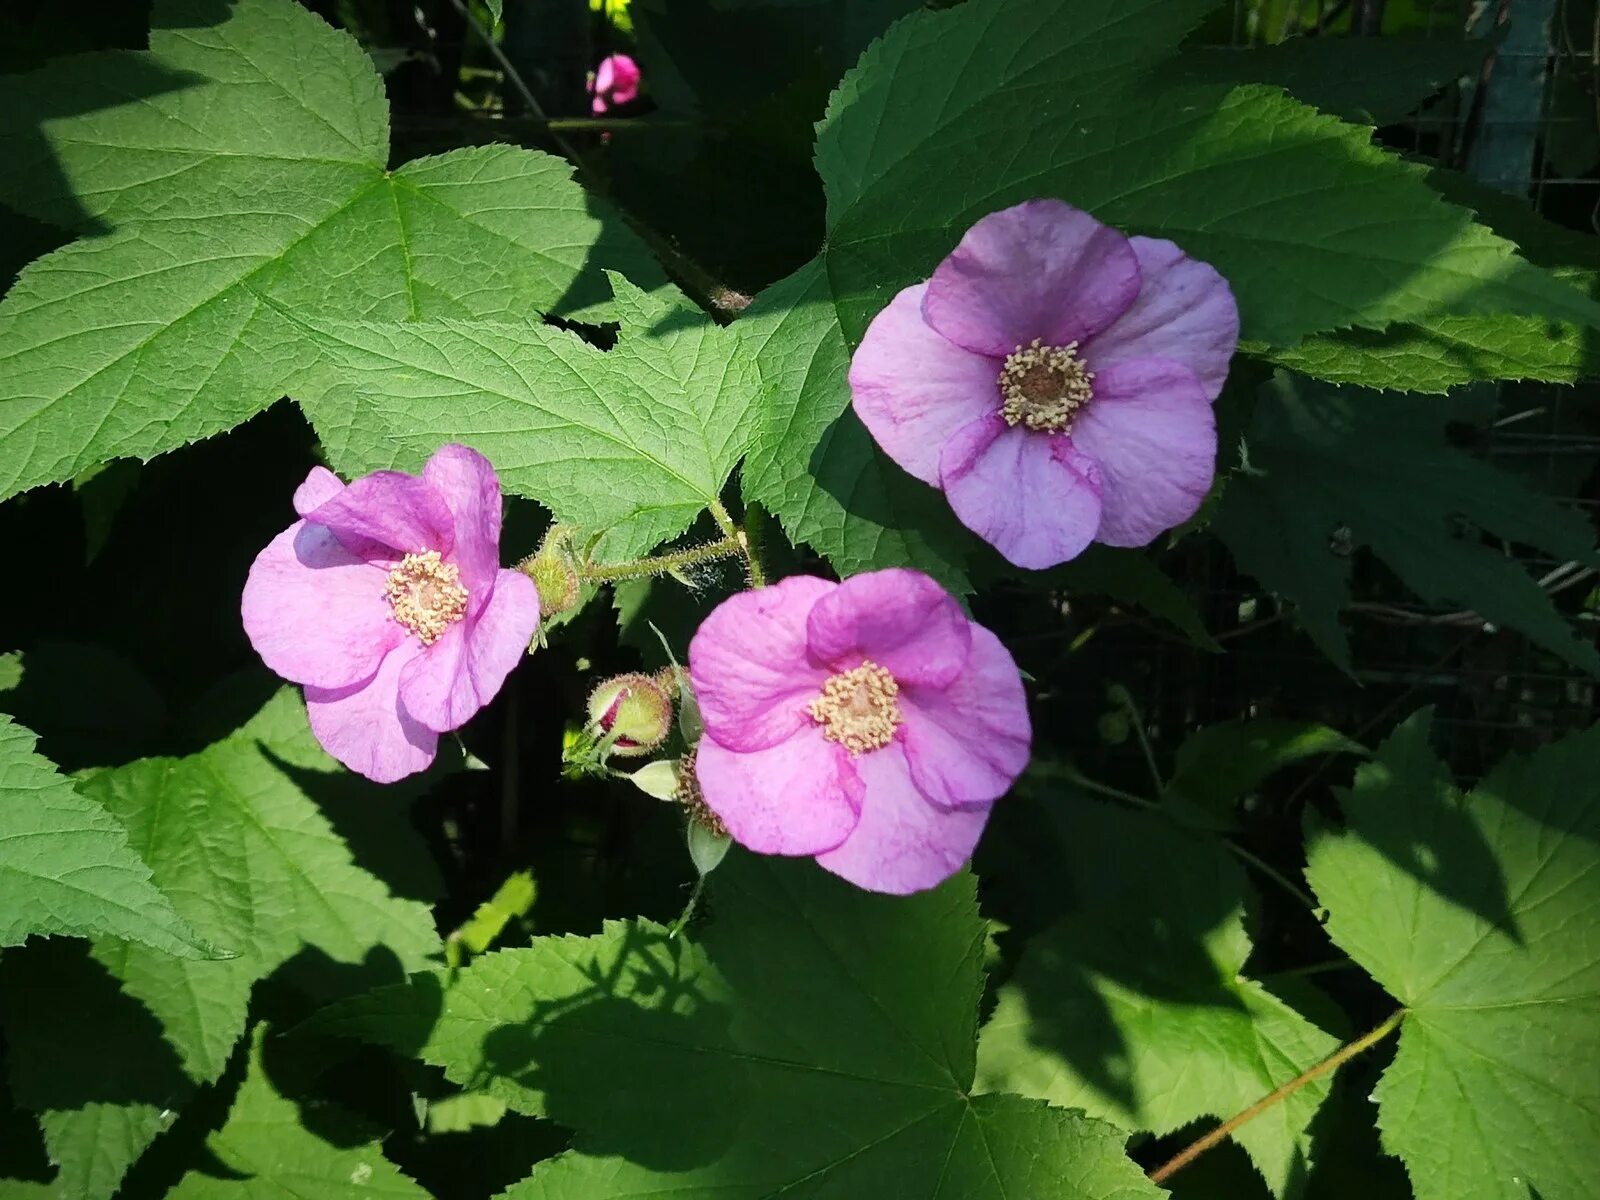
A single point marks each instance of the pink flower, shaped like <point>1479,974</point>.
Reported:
<point>388,603</point>
<point>616,81</point>
<point>868,723</point>
<point>1055,380</point>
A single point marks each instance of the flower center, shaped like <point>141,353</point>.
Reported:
<point>1044,387</point>
<point>426,595</point>
<point>857,708</point>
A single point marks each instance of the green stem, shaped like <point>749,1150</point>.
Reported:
<point>661,564</point>
<point>1326,1067</point>
<point>1238,851</point>
<point>1126,699</point>
<point>752,562</point>
<point>687,914</point>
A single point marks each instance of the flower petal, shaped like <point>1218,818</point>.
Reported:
<point>364,726</point>
<point>1151,432</point>
<point>388,514</point>
<point>315,612</point>
<point>800,796</point>
<point>321,485</point>
<point>1041,269</point>
<point>902,620</point>
<point>748,663</point>
<point>446,684</point>
<point>1185,312</point>
<point>968,742</point>
<point>1029,495</point>
<point>902,843</point>
<point>471,490</point>
<point>914,388</point>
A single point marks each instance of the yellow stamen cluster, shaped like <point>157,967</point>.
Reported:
<point>1044,387</point>
<point>426,595</point>
<point>858,709</point>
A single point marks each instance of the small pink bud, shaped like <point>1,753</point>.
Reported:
<point>634,711</point>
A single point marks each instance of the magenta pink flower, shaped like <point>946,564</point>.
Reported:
<point>616,81</point>
<point>868,724</point>
<point>388,603</point>
<point>1055,379</point>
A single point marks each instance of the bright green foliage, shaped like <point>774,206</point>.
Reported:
<point>66,866</point>
<point>1133,1007</point>
<point>1221,764</point>
<point>1478,913</point>
<point>797,1047</point>
<point>237,837</point>
<point>815,465</point>
<point>239,166</point>
<point>274,1153</point>
<point>1321,460</point>
<point>637,440</point>
<point>1315,228</point>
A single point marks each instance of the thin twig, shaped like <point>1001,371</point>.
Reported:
<point>1328,1065</point>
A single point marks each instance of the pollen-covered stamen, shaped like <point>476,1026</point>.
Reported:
<point>1044,387</point>
<point>426,595</point>
<point>858,709</point>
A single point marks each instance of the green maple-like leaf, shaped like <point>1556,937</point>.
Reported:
<point>1314,227</point>
<point>237,170</point>
<point>638,439</point>
<point>1133,1006</point>
<point>234,835</point>
<point>817,1040</point>
<point>1322,459</point>
<point>271,1152</point>
<point>66,866</point>
<point>1478,914</point>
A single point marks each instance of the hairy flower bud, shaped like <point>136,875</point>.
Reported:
<point>633,711</point>
<point>554,573</point>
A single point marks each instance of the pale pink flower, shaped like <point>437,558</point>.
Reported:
<point>1055,380</point>
<point>387,601</point>
<point>868,724</point>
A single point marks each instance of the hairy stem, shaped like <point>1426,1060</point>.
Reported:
<point>1326,1067</point>
<point>661,564</point>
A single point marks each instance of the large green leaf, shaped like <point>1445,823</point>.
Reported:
<point>66,866</point>
<point>817,1041</point>
<point>272,1151</point>
<point>814,464</point>
<point>641,437</point>
<point>1133,1006</point>
<point>1321,459</point>
<point>240,168</point>
<point>1478,914</point>
<point>237,836</point>
<point>1315,228</point>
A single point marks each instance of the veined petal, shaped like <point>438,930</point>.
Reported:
<point>315,612</point>
<point>902,620</point>
<point>799,796</point>
<point>467,483</point>
<point>388,514</point>
<point>1151,433</point>
<point>914,389</point>
<point>902,843</point>
<point>1040,269</point>
<point>1185,312</point>
<point>320,486</point>
<point>365,727</point>
<point>1030,495</point>
<point>967,743</point>
<point>446,684</point>
<point>748,663</point>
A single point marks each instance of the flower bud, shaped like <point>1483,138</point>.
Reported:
<point>554,573</point>
<point>633,712</point>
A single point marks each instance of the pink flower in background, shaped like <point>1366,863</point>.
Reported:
<point>616,81</point>
<point>868,724</point>
<point>388,603</point>
<point>1055,379</point>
